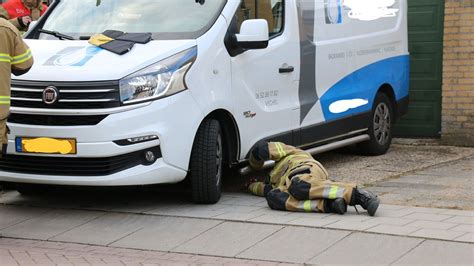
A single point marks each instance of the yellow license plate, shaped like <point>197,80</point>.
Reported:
<point>45,145</point>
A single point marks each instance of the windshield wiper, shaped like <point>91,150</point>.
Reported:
<point>57,34</point>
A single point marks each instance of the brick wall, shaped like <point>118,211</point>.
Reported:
<point>458,73</point>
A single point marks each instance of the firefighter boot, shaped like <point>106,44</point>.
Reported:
<point>335,206</point>
<point>368,200</point>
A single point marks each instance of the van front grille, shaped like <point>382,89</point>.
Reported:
<point>71,95</point>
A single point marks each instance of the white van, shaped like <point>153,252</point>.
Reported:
<point>219,76</point>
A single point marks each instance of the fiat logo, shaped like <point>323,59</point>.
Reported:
<point>50,95</point>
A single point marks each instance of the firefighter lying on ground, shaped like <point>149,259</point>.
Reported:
<point>300,183</point>
<point>22,12</point>
<point>16,58</point>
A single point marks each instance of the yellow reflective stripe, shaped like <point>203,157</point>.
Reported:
<point>22,61</point>
<point>5,59</point>
<point>279,151</point>
<point>5,56</point>
<point>282,149</point>
<point>255,189</point>
<point>23,54</point>
<point>333,192</point>
<point>4,100</point>
<point>22,58</point>
<point>252,188</point>
<point>307,206</point>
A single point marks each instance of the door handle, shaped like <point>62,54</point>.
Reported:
<point>287,69</point>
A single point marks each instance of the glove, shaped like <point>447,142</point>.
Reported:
<point>24,21</point>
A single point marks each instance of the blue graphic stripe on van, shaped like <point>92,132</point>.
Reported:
<point>339,10</point>
<point>91,51</point>
<point>362,85</point>
<point>76,56</point>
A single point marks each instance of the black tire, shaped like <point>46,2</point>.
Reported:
<point>206,164</point>
<point>380,127</point>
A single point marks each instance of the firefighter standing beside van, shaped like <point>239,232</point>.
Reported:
<point>22,12</point>
<point>300,183</point>
<point>16,59</point>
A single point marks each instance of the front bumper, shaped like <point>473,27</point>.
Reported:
<point>159,172</point>
<point>174,120</point>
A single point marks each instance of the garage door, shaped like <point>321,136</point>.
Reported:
<point>425,33</point>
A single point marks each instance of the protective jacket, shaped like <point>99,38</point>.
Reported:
<point>16,58</point>
<point>297,182</point>
<point>14,10</point>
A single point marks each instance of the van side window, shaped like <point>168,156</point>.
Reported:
<point>271,10</point>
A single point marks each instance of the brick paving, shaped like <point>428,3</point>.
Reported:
<point>33,252</point>
<point>196,237</point>
<point>109,228</point>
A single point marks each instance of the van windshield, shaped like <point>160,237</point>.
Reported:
<point>166,19</point>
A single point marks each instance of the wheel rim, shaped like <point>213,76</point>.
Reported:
<point>382,123</point>
<point>218,160</point>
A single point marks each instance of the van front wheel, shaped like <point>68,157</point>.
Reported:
<point>206,163</point>
<point>380,127</point>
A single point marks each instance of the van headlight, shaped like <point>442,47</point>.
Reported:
<point>159,80</point>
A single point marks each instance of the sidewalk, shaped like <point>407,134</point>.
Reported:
<point>33,252</point>
<point>241,226</point>
<point>242,229</point>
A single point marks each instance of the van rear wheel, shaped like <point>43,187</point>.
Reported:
<point>206,164</point>
<point>380,127</point>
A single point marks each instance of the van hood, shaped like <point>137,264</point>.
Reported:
<point>81,61</point>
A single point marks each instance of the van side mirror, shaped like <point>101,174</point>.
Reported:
<point>253,34</point>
